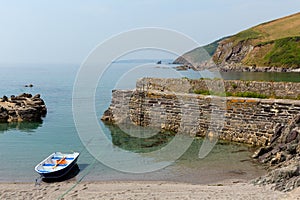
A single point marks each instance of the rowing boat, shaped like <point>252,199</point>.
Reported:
<point>57,165</point>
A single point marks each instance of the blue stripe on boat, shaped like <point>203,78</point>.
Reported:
<point>58,158</point>
<point>43,171</point>
<point>49,164</point>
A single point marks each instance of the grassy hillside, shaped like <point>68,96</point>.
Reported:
<point>272,44</point>
<point>275,43</point>
<point>281,28</point>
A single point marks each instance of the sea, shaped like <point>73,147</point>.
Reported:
<point>24,145</point>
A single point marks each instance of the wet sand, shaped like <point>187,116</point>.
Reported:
<point>231,189</point>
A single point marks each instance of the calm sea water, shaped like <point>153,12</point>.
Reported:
<point>23,145</point>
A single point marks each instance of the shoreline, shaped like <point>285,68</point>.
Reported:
<point>235,68</point>
<point>230,189</point>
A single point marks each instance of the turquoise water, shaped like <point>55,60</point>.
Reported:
<point>23,145</point>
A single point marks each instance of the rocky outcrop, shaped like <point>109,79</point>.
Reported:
<point>230,53</point>
<point>24,107</point>
<point>244,56</point>
<point>282,155</point>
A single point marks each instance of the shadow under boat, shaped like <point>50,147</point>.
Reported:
<point>68,176</point>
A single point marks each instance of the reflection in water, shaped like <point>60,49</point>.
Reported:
<point>227,160</point>
<point>138,144</point>
<point>27,127</point>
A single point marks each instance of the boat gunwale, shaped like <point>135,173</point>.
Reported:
<point>75,154</point>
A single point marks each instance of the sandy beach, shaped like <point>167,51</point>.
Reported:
<point>140,190</point>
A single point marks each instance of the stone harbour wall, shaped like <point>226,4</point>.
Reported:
<point>246,120</point>
<point>283,90</point>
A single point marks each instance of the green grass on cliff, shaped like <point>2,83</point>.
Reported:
<point>246,35</point>
<point>283,52</point>
<point>286,52</point>
<point>270,31</point>
<point>275,43</point>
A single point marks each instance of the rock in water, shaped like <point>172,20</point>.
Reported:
<point>3,114</point>
<point>107,116</point>
<point>22,108</point>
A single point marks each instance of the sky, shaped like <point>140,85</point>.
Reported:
<point>66,31</point>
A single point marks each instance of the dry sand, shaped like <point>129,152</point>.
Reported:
<point>140,190</point>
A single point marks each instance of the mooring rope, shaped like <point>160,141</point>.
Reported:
<point>87,171</point>
<point>90,167</point>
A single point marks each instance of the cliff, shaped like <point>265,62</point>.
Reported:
<point>198,55</point>
<point>24,107</point>
<point>271,46</point>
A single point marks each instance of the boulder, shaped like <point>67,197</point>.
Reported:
<point>37,96</point>
<point>3,114</point>
<point>4,99</point>
<point>261,151</point>
<point>107,116</point>
<point>25,95</point>
<point>291,136</point>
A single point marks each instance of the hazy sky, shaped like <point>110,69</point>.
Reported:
<point>65,31</point>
